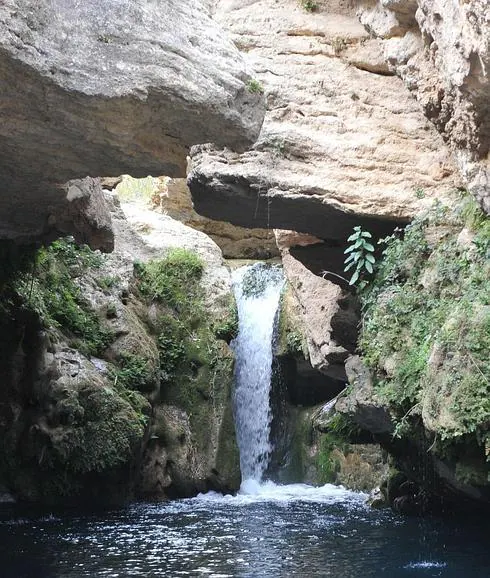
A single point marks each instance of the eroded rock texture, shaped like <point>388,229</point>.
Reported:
<point>441,49</point>
<point>343,142</point>
<point>106,88</point>
<point>92,408</point>
<point>329,318</point>
<point>235,242</point>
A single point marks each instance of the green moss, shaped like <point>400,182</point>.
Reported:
<point>327,464</point>
<point>309,5</point>
<point>290,340</point>
<point>134,373</point>
<point>333,444</point>
<point>254,86</point>
<point>196,366</point>
<point>172,280</point>
<point>104,433</point>
<point>50,289</point>
<point>426,323</point>
<point>227,328</point>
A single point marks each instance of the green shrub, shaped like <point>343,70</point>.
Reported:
<point>134,373</point>
<point>309,5</point>
<point>431,296</point>
<point>171,280</point>
<point>255,87</point>
<point>50,289</point>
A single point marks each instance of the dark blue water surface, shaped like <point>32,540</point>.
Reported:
<point>270,532</point>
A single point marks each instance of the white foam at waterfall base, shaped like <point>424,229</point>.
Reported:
<point>257,291</point>
<point>252,491</point>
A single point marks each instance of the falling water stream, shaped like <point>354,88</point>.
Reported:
<point>257,291</point>
<point>265,531</point>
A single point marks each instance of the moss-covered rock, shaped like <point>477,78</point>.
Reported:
<point>197,375</point>
<point>426,339</point>
<point>85,344</point>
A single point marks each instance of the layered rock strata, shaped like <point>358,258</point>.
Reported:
<point>441,50</point>
<point>343,142</point>
<point>235,242</point>
<point>105,89</point>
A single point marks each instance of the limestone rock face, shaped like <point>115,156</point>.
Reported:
<point>363,405</point>
<point>328,318</point>
<point>193,449</point>
<point>441,49</point>
<point>235,242</point>
<point>343,141</point>
<point>106,88</point>
<point>89,408</point>
<point>158,233</point>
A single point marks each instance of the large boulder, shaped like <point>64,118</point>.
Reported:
<point>110,389</point>
<point>105,88</point>
<point>328,316</point>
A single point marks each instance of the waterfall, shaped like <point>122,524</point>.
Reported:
<point>257,290</point>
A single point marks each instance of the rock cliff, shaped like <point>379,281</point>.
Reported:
<point>441,49</point>
<point>343,141</point>
<point>104,89</point>
<point>117,379</point>
<point>423,386</point>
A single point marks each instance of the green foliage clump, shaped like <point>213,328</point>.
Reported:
<point>174,283</point>
<point>290,339</point>
<point>426,323</point>
<point>360,255</point>
<point>327,462</point>
<point>108,282</point>
<point>255,87</point>
<point>133,373</point>
<point>294,343</point>
<point>309,5</point>
<point>172,280</point>
<point>192,359</point>
<point>50,289</point>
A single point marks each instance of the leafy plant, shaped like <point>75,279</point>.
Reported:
<point>52,292</point>
<point>255,87</point>
<point>426,326</point>
<point>171,280</point>
<point>134,373</point>
<point>309,5</point>
<point>360,256</point>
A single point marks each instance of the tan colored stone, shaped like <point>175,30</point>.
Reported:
<point>338,145</point>
<point>174,199</point>
<point>443,55</point>
<point>287,239</point>
<point>322,319</point>
<point>107,88</point>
